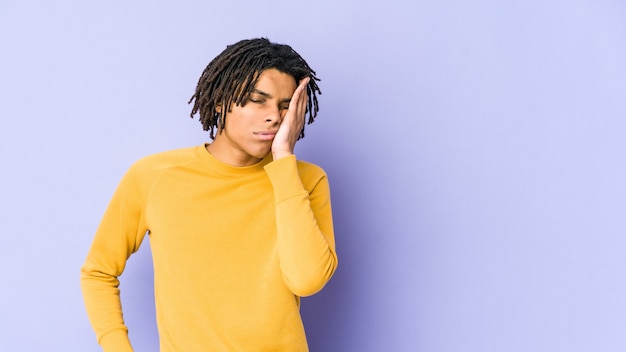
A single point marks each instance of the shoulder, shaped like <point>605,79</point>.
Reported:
<point>168,158</point>
<point>153,165</point>
<point>308,167</point>
<point>309,172</point>
<point>145,172</point>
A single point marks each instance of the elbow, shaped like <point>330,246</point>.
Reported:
<point>89,275</point>
<point>305,289</point>
<point>309,283</point>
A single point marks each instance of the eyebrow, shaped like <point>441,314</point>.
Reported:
<point>268,95</point>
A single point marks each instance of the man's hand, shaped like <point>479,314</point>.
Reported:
<point>291,126</point>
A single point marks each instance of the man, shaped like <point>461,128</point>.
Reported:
<point>239,229</point>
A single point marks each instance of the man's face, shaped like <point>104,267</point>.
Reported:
<point>250,129</point>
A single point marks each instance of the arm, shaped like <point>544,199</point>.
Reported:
<point>305,237</point>
<point>119,235</point>
<point>305,242</point>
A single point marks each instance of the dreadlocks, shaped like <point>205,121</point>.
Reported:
<point>231,76</point>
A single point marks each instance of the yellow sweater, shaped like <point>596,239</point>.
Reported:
<point>233,249</point>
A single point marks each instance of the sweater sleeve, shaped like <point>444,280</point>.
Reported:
<point>118,236</point>
<point>305,237</point>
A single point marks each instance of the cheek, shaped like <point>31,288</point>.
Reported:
<point>236,121</point>
<point>230,124</point>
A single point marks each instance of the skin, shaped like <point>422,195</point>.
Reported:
<point>270,121</point>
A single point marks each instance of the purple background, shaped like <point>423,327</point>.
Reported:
<point>476,152</point>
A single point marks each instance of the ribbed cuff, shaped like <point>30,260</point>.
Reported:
<point>283,174</point>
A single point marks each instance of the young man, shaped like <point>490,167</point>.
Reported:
<point>239,229</point>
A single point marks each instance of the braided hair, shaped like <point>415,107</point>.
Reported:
<point>232,75</point>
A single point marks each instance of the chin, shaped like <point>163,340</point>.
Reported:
<point>260,153</point>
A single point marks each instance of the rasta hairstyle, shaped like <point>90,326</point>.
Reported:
<point>231,76</point>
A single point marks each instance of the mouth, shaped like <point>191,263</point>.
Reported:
<point>266,135</point>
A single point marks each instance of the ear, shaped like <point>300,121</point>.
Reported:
<point>218,109</point>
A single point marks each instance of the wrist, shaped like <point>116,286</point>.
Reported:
<point>280,154</point>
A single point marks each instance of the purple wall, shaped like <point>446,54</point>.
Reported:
<point>476,152</point>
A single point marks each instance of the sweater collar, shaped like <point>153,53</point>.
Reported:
<point>217,165</point>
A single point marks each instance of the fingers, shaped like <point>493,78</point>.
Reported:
<point>299,95</point>
<point>302,98</point>
<point>293,122</point>
<point>297,107</point>
<point>303,82</point>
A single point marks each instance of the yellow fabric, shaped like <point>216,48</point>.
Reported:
<point>233,249</point>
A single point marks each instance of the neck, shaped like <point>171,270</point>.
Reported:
<point>230,156</point>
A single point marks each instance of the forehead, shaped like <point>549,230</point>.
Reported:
<point>276,83</point>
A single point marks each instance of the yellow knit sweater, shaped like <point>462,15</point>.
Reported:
<point>233,249</point>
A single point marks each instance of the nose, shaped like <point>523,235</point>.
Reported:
<point>273,116</point>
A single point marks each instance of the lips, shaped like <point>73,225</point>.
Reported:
<point>266,135</point>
